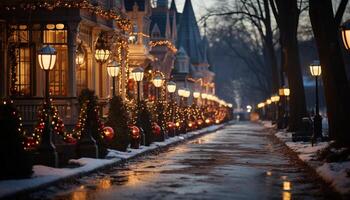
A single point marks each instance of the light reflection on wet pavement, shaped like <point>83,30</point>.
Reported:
<point>238,162</point>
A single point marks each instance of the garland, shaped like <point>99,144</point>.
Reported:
<point>166,43</point>
<point>122,22</point>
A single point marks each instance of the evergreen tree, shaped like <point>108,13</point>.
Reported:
<point>118,119</point>
<point>144,121</point>
<point>89,113</point>
<point>15,162</point>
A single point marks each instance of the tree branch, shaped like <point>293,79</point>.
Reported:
<point>340,12</point>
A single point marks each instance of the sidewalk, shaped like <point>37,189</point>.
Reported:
<point>337,174</point>
<point>44,176</point>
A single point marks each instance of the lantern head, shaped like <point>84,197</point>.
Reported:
<point>196,95</point>
<point>171,86</point>
<point>47,57</point>
<point>113,68</point>
<point>137,74</point>
<point>158,81</point>
<point>315,68</point>
<point>345,32</point>
<point>80,55</point>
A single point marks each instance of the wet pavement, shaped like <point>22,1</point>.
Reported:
<point>240,161</point>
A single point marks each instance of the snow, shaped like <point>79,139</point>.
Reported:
<point>44,175</point>
<point>333,173</point>
<point>337,175</point>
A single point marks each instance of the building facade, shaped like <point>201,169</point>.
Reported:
<point>138,33</point>
<point>68,26</point>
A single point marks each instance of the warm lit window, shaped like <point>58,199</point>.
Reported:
<point>81,72</point>
<point>23,71</point>
<point>56,36</point>
<point>20,36</point>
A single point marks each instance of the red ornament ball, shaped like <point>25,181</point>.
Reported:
<point>171,125</point>
<point>135,132</point>
<point>108,132</point>
<point>156,129</point>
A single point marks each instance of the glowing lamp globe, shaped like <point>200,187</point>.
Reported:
<point>268,102</point>
<point>187,93</point>
<point>196,95</point>
<point>181,92</point>
<point>315,68</point>
<point>286,92</point>
<point>158,81</point>
<point>108,132</point>
<point>113,69</point>
<point>47,57</point>
<point>345,32</point>
<point>137,74</point>
<point>171,86</point>
<point>80,56</point>
<point>204,95</point>
<point>102,55</point>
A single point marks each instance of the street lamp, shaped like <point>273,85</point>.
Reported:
<point>47,59</point>
<point>113,69</point>
<point>345,32</point>
<point>102,54</point>
<point>158,81</point>
<point>315,69</point>
<point>137,75</point>
<point>171,87</point>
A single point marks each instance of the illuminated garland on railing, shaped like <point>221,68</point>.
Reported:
<point>166,43</point>
<point>122,22</point>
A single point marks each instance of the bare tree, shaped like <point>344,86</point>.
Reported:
<point>287,14</point>
<point>325,25</point>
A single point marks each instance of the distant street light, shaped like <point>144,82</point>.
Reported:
<point>316,70</point>
<point>137,75</point>
<point>171,87</point>
<point>113,69</point>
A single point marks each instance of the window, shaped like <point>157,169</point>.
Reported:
<point>20,36</point>
<point>23,71</point>
<point>81,76</point>
<point>56,36</point>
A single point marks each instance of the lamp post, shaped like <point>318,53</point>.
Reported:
<point>113,69</point>
<point>315,69</point>
<point>171,87</point>
<point>181,92</point>
<point>47,60</point>
<point>186,95</point>
<point>102,54</point>
<point>137,75</point>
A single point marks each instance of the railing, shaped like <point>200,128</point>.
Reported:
<point>29,108</point>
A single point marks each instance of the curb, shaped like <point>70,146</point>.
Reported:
<point>186,137</point>
<point>307,165</point>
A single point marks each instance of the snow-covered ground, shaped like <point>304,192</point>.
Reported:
<point>334,173</point>
<point>44,175</point>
